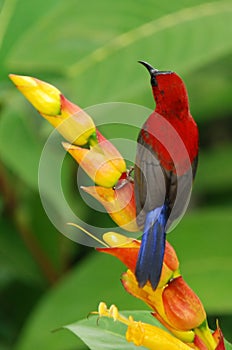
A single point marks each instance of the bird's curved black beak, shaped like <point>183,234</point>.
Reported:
<point>153,72</point>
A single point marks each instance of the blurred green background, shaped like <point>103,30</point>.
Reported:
<point>89,50</point>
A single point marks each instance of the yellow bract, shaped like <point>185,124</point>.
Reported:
<point>119,202</point>
<point>95,163</point>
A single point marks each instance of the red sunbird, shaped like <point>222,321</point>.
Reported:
<point>166,163</point>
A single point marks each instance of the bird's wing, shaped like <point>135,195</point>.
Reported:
<point>163,185</point>
<point>148,171</point>
<point>179,193</point>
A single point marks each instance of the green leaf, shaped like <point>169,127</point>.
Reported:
<point>84,51</point>
<point>105,333</point>
<point>100,334</point>
<point>19,148</point>
<point>16,261</point>
<point>211,175</point>
<point>17,17</point>
<point>212,100</point>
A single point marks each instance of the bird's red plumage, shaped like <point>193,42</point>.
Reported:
<point>171,114</point>
<point>166,163</point>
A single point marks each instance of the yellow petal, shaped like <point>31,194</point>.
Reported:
<point>153,338</point>
<point>143,334</point>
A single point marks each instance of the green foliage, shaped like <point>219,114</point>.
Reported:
<point>106,332</point>
<point>89,50</point>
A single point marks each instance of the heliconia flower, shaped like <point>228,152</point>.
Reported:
<point>175,305</point>
<point>128,254</point>
<point>71,121</point>
<point>99,167</point>
<point>143,334</point>
<point>119,202</point>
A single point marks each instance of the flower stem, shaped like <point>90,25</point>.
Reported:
<point>205,334</point>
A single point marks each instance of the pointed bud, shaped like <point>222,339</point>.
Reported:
<point>118,202</point>
<point>43,96</point>
<point>72,122</point>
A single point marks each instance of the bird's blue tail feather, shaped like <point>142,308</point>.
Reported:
<point>151,253</point>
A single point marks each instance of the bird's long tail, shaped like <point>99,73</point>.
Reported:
<point>151,253</point>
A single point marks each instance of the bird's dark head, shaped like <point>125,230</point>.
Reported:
<point>168,89</point>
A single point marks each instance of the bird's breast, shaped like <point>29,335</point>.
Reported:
<point>173,140</point>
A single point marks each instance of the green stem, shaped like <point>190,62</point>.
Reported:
<point>204,333</point>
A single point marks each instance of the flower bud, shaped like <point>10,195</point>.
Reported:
<point>74,124</point>
<point>182,306</point>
